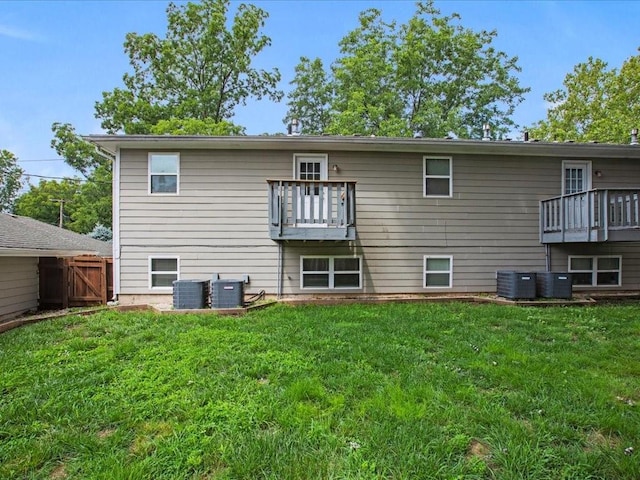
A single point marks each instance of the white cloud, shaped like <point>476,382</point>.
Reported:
<point>18,34</point>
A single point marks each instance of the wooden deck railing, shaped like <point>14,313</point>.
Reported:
<point>312,210</point>
<point>594,216</point>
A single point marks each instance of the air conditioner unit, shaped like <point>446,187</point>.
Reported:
<point>227,293</point>
<point>190,294</point>
<point>554,284</point>
<point>516,285</point>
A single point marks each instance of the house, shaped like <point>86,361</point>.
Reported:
<point>318,215</point>
<point>24,244</point>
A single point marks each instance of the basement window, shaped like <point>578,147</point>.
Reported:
<point>164,172</point>
<point>163,271</point>
<point>596,271</point>
<point>331,273</point>
<point>438,271</point>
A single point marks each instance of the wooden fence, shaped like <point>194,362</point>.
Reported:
<point>75,282</point>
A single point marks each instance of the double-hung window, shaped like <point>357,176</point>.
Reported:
<point>163,271</point>
<point>438,271</point>
<point>330,272</point>
<point>164,172</point>
<point>438,177</point>
<point>596,271</point>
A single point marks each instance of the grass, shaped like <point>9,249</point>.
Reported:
<point>397,391</point>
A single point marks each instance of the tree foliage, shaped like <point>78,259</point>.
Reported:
<point>195,126</point>
<point>100,232</point>
<point>311,97</point>
<point>77,153</point>
<point>595,104</point>
<point>42,201</point>
<point>86,203</point>
<point>10,180</point>
<point>201,70</point>
<point>429,76</point>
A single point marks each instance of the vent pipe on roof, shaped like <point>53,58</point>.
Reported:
<point>486,129</point>
<point>526,136</point>
<point>294,128</point>
<point>634,136</point>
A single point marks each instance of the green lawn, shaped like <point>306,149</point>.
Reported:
<point>397,391</point>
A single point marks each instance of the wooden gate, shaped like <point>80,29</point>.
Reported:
<point>75,282</point>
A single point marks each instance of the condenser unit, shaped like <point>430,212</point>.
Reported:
<point>190,294</point>
<point>227,293</point>
<point>554,284</point>
<point>516,285</point>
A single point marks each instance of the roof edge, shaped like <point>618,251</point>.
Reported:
<point>113,143</point>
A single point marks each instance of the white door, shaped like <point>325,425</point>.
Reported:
<point>312,200</point>
<point>576,178</point>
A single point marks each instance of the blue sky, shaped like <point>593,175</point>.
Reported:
<point>58,57</point>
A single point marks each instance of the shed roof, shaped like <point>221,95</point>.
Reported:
<point>23,236</point>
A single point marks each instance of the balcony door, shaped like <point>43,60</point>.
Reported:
<point>576,178</point>
<point>312,200</point>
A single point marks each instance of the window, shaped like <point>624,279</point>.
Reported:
<point>438,271</point>
<point>163,172</point>
<point>596,271</point>
<point>437,176</point>
<point>331,272</point>
<point>163,271</point>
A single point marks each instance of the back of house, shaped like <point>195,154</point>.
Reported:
<point>360,216</point>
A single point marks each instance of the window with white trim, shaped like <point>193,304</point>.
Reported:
<point>163,271</point>
<point>438,271</point>
<point>596,271</point>
<point>438,177</point>
<point>164,172</point>
<point>326,272</point>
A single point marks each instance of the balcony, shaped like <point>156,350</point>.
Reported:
<point>600,215</point>
<point>312,210</point>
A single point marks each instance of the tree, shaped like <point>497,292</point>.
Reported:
<point>195,126</point>
<point>596,104</point>
<point>100,232</point>
<point>92,200</point>
<point>310,101</point>
<point>77,153</point>
<point>42,201</point>
<point>430,76</point>
<point>10,180</point>
<point>201,70</point>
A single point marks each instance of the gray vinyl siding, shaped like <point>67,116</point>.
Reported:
<point>18,285</point>
<point>630,253</point>
<point>219,221</point>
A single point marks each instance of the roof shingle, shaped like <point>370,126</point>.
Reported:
<point>23,233</point>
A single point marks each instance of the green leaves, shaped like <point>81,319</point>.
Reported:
<point>10,180</point>
<point>429,76</point>
<point>194,126</point>
<point>79,154</point>
<point>200,70</point>
<point>596,104</point>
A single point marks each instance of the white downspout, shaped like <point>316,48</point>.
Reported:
<point>116,224</point>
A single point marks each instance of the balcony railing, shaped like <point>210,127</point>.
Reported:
<point>312,210</point>
<point>600,215</point>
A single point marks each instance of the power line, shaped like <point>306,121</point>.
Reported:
<point>74,179</point>
<point>42,160</point>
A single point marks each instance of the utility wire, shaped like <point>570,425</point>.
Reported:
<point>42,160</point>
